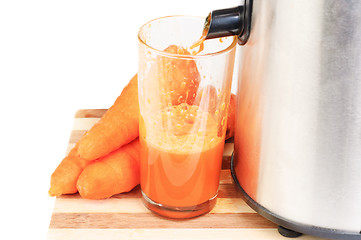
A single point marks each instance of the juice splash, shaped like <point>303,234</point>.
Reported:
<point>180,77</point>
<point>200,42</point>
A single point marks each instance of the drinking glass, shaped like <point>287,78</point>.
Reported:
<point>183,99</point>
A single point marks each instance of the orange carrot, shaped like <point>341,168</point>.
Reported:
<point>63,179</point>
<point>115,173</point>
<point>118,126</point>
<point>231,117</point>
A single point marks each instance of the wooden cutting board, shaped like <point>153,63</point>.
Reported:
<point>124,216</point>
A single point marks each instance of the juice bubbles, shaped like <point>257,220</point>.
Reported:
<point>181,167</point>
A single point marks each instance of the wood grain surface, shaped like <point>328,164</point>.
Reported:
<point>124,216</point>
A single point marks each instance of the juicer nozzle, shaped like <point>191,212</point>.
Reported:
<point>230,21</point>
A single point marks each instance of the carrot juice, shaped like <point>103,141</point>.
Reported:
<point>181,166</point>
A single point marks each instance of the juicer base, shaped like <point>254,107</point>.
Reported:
<point>289,224</point>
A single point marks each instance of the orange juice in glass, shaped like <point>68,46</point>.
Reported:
<point>183,99</point>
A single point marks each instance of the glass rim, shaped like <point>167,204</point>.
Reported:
<point>175,55</point>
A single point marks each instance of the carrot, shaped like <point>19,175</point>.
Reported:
<point>112,174</point>
<point>63,179</point>
<point>118,126</point>
<point>231,117</point>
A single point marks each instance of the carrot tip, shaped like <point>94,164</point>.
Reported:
<point>54,192</point>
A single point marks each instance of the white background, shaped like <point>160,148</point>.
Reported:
<point>57,57</point>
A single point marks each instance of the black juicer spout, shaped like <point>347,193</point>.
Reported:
<point>230,21</point>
